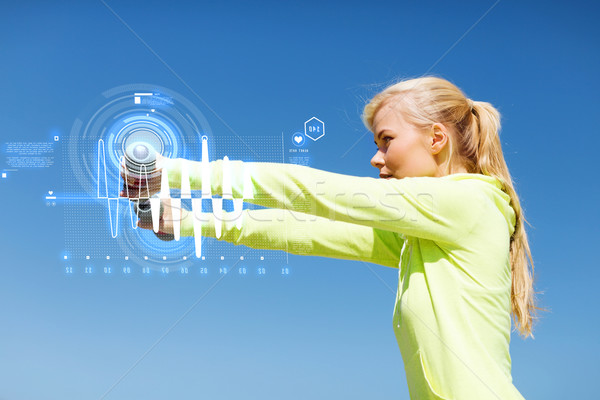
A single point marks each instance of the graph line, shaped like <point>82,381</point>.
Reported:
<point>185,193</point>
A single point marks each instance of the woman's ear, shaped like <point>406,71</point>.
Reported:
<point>438,138</point>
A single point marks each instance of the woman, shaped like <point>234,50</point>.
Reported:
<point>445,212</point>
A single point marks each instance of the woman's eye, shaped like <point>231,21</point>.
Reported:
<point>385,140</point>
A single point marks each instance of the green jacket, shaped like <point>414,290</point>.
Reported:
<point>448,236</point>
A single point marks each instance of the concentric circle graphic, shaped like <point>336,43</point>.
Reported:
<point>129,113</point>
<point>156,116</point>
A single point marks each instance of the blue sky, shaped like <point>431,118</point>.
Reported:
<point>264,68</point>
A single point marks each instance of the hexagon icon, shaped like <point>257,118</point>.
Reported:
<point>314,128</point>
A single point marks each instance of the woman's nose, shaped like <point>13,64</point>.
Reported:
<point>377,160</point>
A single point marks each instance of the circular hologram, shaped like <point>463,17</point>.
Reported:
<point>157,116</point>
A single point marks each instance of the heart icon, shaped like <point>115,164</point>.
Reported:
<point>298,139</point>
<point>50,192</point>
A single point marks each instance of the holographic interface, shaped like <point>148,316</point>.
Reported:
<point>124,130</point>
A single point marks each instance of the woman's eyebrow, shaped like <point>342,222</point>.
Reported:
<point>379,134</point>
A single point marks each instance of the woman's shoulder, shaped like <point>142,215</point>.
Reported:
<point>492,198</point>
<point>461,188</point>
<point>476,184</point>
<point>466,177</point>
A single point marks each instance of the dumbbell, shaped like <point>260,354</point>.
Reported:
<point>140,159</point>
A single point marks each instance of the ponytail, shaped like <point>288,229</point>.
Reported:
<point>490,161</point>
<point>476,146</point>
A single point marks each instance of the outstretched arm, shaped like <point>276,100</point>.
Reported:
<point>297,233</point>
<point>438,209</point>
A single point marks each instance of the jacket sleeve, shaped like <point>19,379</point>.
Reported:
<point>438,209</point>
<point>301,234</point>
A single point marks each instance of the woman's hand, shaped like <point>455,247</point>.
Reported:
<point>142,186</point>
<point>166,218</point>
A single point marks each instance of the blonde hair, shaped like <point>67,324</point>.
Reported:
<point>475,126</point>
